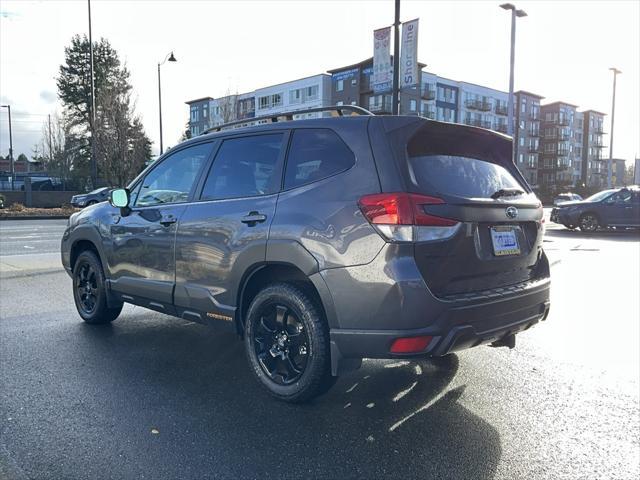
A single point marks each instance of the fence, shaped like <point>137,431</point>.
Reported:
<point>44,199</point>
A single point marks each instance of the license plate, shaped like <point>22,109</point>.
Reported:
<point>505,241</point>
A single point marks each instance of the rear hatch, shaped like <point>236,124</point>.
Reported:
<point>465,185</point>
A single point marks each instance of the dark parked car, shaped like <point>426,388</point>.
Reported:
<point>322,242</point>
<point>618,208</point>
<point>566,197</point>
<point>96,196</point>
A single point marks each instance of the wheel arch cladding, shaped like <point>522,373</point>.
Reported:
<point>284,272</point>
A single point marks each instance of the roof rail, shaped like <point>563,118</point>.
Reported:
<point>288,116</point>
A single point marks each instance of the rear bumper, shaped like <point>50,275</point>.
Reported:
<point>458,326</point>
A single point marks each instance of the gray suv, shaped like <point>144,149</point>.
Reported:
<point>323,241</point>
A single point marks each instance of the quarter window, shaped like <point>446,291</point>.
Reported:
<point>172,180</point>
<point>315,154</point>
<point>244,167</point>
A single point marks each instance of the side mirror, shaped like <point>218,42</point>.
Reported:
<point>119,198</point>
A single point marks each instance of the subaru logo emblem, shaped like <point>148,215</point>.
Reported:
<point>511,212</point>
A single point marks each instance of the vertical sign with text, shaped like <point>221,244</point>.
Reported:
<point>382,68</point>
<point>409,70</point>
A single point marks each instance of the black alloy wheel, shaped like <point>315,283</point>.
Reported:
<point>286,338</point>
<point>86,285</point>
<point>89,292</point>
<point>589,222</point>
<point>281,344</point>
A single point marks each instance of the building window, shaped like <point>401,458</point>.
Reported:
<point>521,158</point>
<point>205,112</point>
<point>295,96</point>
<point>523,124</point>
<point>312,92</point>
<point>339,85</point>
<point>340,103</point>
<point>522,141</point>
<point>194,114</point>
<point>270,101</point>
<point>354,81</point>
<point>413,105</point>
<point>353,103</point>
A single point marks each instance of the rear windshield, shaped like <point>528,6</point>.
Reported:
<point>460,176</point>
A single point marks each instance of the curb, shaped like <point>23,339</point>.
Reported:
<point>34,217</point>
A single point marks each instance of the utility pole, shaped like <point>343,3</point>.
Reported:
<point>94,166</point>
<point>395,107</point>
<point>13,170</point>
<point>50,141</point>
<point>613,114</point>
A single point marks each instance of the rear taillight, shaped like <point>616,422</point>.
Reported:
<point>400,217</point>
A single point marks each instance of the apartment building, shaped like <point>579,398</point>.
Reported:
<point>593,171</point>
<point>199,120</point>
<point>555,145</point>
<point>304,93</point>
<point>561,162</point>
<point>526,134</point>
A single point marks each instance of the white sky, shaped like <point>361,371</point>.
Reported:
<point>564,51</point>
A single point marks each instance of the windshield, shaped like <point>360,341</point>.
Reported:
<point>599,196</point>
<point>98,190</point>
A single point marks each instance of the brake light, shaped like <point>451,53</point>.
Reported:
<point>401,217</point>
<point>410,344</point>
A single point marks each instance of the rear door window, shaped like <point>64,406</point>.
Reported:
<point>316,154</point>
<point>461,176</point>
<point>244,167</point>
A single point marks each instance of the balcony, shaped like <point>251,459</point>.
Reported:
<point>427,93</point>
<point>563,122</point>
<point>502,109</point>
<point>533,149</point>
<point>478,105</point>
<point>383,107</point>
<point>563,152</point>
<point>533,132</point>
<point>598,145</point>
<point>599,130</point>
<point>428,113</point>
<point>501,127</point>
<point>478,122</point>
<point>533,116</point>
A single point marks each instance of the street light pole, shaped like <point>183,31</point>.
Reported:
<point>94,165</point>
<point>13,170</point>
<point>169,58</point>
<point>613,114</point>
<point>395,94</point>
<point>510,107</point>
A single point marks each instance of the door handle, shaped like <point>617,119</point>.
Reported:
<point>167,220</point>
<point>253,217</point>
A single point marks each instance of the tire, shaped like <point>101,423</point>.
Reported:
<point>589,222</point>
<point>287,344</point>
<point>89,290</point>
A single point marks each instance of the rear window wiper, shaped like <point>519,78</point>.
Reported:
<point>507,192</point>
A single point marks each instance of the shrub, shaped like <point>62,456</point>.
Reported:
<point>16,207</point>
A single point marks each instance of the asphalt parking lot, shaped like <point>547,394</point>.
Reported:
<point>152,396</point>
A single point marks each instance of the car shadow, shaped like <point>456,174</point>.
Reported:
<point>388,419</point>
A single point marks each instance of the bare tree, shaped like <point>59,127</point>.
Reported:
<point>122,145</point>
<point>228,106</point>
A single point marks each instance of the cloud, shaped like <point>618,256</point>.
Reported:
<point>48,96</point>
